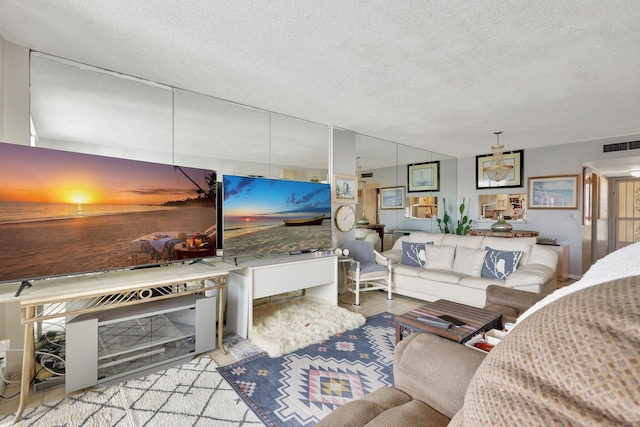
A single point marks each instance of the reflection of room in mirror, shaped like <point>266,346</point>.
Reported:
<point>423,207</point>
<point>513,206</point>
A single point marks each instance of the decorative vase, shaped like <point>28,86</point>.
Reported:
<point>501,225</point>
<point>364,220</point>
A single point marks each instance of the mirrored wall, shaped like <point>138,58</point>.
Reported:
<point>384,169</point>
<point>88,110</point>
<point>84,109</point>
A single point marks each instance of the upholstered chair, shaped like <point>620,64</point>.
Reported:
<point>367,270</point>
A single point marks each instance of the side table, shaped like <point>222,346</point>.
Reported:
<point>477,320</point>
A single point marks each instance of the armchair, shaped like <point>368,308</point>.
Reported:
<point>367,270</point>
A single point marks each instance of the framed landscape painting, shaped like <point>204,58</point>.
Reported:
<point>392,198</point>
<point>554,192</point>
<point>423,177</point>
<point>345,189</point>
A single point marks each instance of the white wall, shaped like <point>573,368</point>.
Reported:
<point>342,162</point>
<point>15,94</point>
<point>563,159</point>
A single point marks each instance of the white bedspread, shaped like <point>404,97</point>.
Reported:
<point>624,262</point>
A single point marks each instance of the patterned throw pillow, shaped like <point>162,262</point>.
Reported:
<point>413,253</point>
<point>500,264</point>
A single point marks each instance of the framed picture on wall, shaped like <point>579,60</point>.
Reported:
<point>423,177</point>
<point>554,192</point>
<point>392,198</point>
<point>345,189</point>
<point>514,179</point>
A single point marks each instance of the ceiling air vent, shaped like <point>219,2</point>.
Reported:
<point>621,146</point>
<point>367,175</point>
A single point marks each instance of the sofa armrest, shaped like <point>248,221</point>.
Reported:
<point>435,370</point>
<point>531,276</point>
<point>509,302</point>
<point>381,259</point>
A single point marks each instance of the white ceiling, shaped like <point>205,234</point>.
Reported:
<point>440,75</point>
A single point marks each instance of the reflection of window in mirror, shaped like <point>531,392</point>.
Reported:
<point>422,207</point>
<point>513,206</point>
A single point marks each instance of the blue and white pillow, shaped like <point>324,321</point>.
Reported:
<point>414,253</point>
<point>500,264</point>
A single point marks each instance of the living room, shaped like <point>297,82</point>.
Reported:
<point>348,150</point>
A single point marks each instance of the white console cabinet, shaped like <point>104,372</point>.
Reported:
<point>125,342</point>
<point>318,276</point>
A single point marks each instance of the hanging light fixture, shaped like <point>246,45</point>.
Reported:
<point>498,169</point>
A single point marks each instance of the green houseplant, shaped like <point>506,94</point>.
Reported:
<point>463,224</point>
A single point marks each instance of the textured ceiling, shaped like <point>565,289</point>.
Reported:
<point>441,75</point>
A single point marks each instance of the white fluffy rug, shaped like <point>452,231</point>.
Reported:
<point>192,394</point>
<point>283,327</point>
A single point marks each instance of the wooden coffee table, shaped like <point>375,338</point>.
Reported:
<point>478,320</point>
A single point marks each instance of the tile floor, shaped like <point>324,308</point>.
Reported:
<point>373,302</point>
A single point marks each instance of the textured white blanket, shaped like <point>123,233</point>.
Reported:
<point>624,262</point>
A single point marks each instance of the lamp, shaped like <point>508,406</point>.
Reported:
<point>498,169</point>
<point>635,174</point>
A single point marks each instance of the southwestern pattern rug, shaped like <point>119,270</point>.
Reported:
<point>300,388</point>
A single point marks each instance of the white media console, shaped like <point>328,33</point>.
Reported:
<point>317,275</point>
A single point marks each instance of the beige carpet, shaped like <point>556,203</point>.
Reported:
<point>286,326</point>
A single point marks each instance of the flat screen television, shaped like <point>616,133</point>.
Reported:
<point>274,216</point>
<point>63,213</point>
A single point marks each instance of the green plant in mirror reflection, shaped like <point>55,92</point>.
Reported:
<point>463,225</point>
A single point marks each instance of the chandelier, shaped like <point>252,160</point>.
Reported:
<point>498,169</point>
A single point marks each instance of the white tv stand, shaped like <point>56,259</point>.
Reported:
<point>317,275</point>
<point>74,295</point>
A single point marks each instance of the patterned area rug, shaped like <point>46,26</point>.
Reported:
<point>300,388</point>
<point>191,394</point>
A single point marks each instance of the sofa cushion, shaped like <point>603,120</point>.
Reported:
<point>479,282</point>
<point>588,380</point>
<point>419,237</point>
<point>413,254</point>
<point>500,264</point>
<point>474,242</point>
<point>444,276</point>
<point>439,257</point>
<point>405,270</point>
<point>385,406</point>
<point>469,261</point>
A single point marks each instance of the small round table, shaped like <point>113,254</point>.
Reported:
<point>183,252</point>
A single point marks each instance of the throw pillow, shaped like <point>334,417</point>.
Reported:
<point>413,254</point>
<point>469,261</point>
<point>439,257</point>
<point>500,264</point>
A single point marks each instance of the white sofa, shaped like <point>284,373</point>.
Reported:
<point>454,266</point>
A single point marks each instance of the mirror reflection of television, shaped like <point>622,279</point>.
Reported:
<point>274,216</point>
<point>63,213</point>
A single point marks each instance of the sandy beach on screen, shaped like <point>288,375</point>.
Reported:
<point>45,248</point>
<point>279,240</point>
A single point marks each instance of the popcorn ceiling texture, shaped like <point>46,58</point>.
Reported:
<point>433,74</point>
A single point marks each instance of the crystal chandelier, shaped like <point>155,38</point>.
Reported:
<point>498,169</point>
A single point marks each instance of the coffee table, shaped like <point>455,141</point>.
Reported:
<point>477,319</point>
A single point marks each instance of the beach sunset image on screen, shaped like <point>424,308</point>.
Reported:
<point>272,216</point>
<point>64,212</point>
